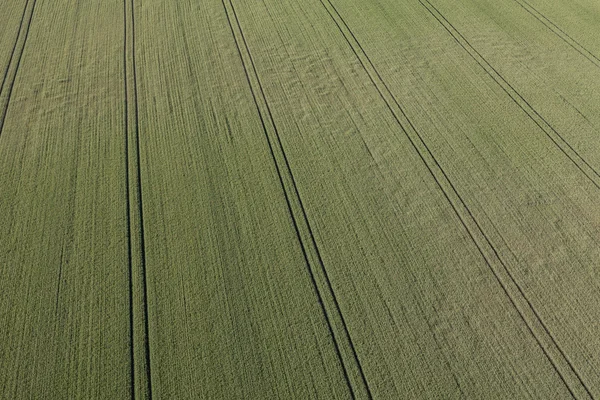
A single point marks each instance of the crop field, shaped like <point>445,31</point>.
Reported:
<point>277,199</point>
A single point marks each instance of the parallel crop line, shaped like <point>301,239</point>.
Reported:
<point>310,250</point>
<point>17,50</point>
<point>135,206</point>
<point>566,148</point>
<point>471,225</point>
<point>559,32</point>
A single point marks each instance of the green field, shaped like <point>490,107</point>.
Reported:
<point>266,199</point>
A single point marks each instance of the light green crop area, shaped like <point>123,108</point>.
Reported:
<point>334,199</point>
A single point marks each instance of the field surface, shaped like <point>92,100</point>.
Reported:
<point>276,199</point>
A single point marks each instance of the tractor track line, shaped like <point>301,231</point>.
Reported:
<point>131,115</point>
<point>12,53</point>
<point>559,32</point>
<point>268,120</point>
<point>5,100</point>
<point>469,217</point>
<point>128,207</point>
<point>545,328</point>
<point>454,377</point>
<point>572,154</point>
<point>141,208</point>
<point>509,274</point>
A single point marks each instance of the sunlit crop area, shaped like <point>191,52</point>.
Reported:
<point>276,199</point>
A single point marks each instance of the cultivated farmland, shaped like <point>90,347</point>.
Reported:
<point>370,199</point>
